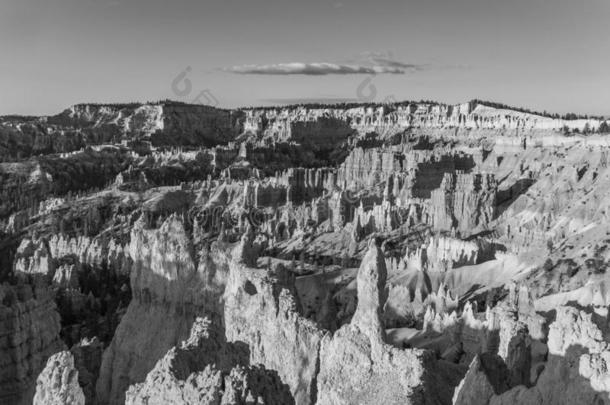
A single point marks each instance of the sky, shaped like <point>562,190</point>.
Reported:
<point>549,55</point>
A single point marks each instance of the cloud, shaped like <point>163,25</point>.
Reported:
<point>378,66</point>
<point>391,63</point>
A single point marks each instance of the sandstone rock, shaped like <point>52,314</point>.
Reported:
<point>33,258</point>
<point>261,311</point>
<point>357,366</point>
<point>29,334</point>
<point>58,382</point>
<point>371,294</point>
<point>66,276</point>
<point>475,388</point>
<point>576,370</point>
<point>464,202</point>
<point>168,293</point>
<point>574,328</point>
<point>205,369</point>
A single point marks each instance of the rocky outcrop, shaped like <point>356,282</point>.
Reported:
<point>390,120</point>
<point>205,369</point>
<point>366,167</point>
<point>441,254</point>
<point>33,258</point>
<point>417,281</point>
<point>575,372</point>
<point>464,202</point>
<point>58,382</point>
<point>261,311</point>
<point>29,334</point>
<point>355,363</point>
<point>97,253</point>
<point>88,275</point>
<point>93,124</point>
<point>169,291</point>
<point>376,218</point>
<point>475,388</point>
<point>66,277</point>
<point>195,124</point>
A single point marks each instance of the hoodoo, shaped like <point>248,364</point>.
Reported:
<point>422,253</point>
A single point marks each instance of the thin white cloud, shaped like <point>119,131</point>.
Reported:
<point>391,63</point>
<point>379,66</point>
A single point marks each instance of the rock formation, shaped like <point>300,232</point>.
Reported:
<point>574,373</point>
<point>261,311</point>
<point>464,202</point>
<point>357,366</point>
<point>304,254</point>
<point>58,382</point>
<point>30,334</point>
<point>206,369</point>
<point>166,298</point>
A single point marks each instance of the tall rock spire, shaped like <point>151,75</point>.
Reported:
<point>371,293</point>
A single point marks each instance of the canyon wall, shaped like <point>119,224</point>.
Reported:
<point>29,335</point>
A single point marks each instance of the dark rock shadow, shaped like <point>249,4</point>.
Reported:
<point>430,174</point>
<point>505,198</point>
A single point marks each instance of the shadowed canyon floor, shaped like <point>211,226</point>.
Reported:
<point>413,253</point>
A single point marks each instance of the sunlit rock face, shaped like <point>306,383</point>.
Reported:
<point>355,363</point>
<point>58,382</point>
<point>262,312</point>
<point>168,293</point>
<point>413,252</point>
<point>206,369</point>
<point>575,371</point>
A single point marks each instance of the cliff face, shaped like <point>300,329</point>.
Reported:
<point>168,123</point>
<point>387,120</point>
<point>367,167</point>
<point>355,363</point>
<point>207,369</point>
<point>196,125</point>
<point>93,124</point>
<point>87,276</point>
<point>162,123</point>
<point>157,276</point>
<point>169,291</point>
<point>30,334</point>
<point>465,202</point>
<point>310,366</point>
<point>575,371</point>
<point>262,312</point>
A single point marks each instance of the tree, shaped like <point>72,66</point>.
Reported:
<point>604,127</point>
